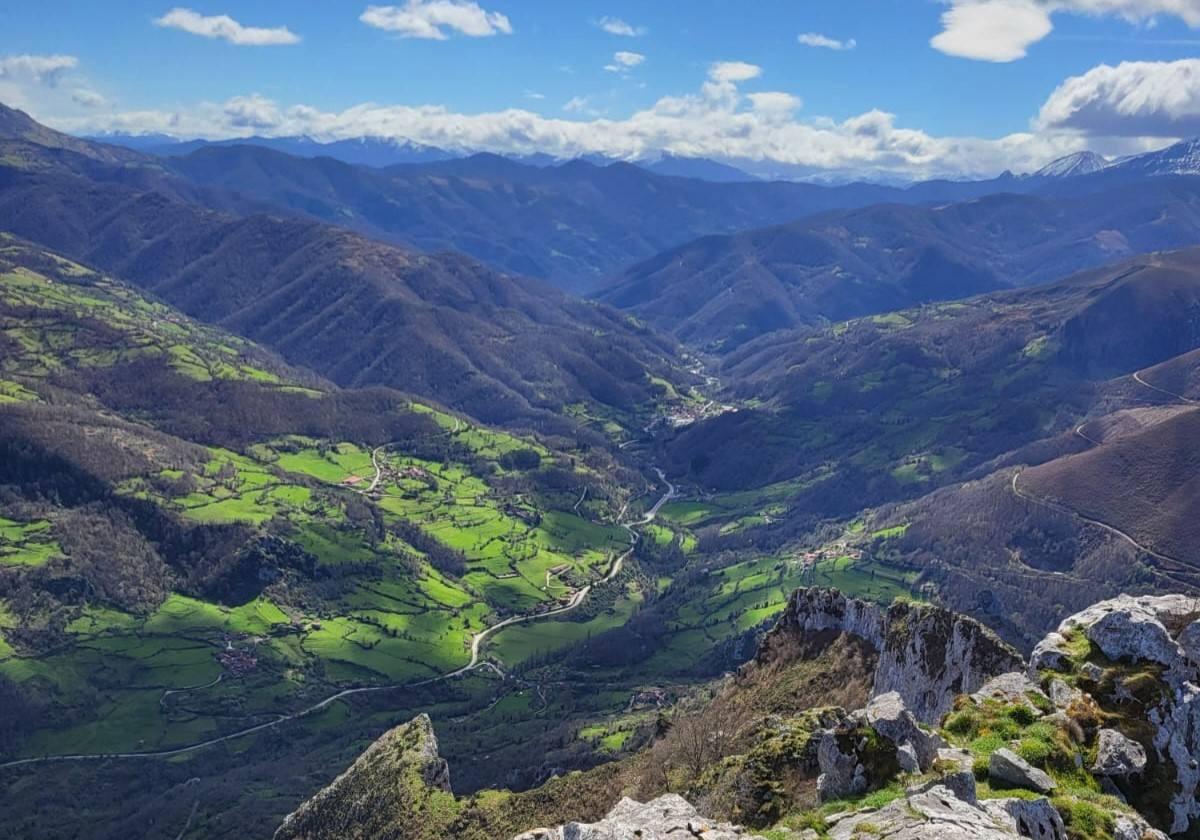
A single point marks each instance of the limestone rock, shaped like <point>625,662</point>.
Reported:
<point>1118,756</point>
<point>1051,653</point>
<point>958,775</point>
<point>1063,695</point>
<point>1013,687</point>
<point>1159,632</point>
<point>927,654</point>
<point>1133,827</point>
<point>842,774</point>
<point>1034,818</point>
<point>666,818</point>
<point>395,777</point>
<point>888,715</point>
<point>935,814</point>
<point>1006,767</point>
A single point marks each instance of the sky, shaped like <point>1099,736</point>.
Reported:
<point>895,88</point>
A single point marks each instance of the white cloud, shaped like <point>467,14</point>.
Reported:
<point>533,94</point>
<point>1003,30</point>
<point>616,26</point>
<point>1133,99</point>
<point>577,105</point>
<point>718,121</point>
<point>435,19</point>
<point>39,69</point>
<point>733,71</point>
<point>226,28</point>
<point>774,102</point>
<point>992,30</point>
<point>624,60</point>
<point>87,98</point>
<point>816,39</point>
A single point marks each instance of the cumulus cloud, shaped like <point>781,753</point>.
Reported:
<point>774,102</point>
<point>816,39</point>
<point>1132,99</point>
<point>624,60</point>
<point>1003,30</point>
<point>733,71</point>
<point>39,69</point>
<point>436,19</point>
<point>616,26</point>
<point>992,30</point>
<point>719,120</point>
<point>226,28</point>
<point>88,98</point>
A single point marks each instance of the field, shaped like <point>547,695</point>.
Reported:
<point>150,682</point>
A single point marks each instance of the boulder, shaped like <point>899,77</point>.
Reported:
<point>1063,695</point>
<point>1133,827</point>
<point>1051,654</point>
<point>957,774</point>
<point>1034,818</point>
<point>1118,756</point>
<point>1008,768</point>
<point>888,715</point>
<point>666,818</point>
<point>1013,687</point>
<point>935,814</point>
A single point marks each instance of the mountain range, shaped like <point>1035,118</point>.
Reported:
<point>564,461</point>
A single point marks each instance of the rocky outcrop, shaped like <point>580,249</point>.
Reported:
<point>666,818</point>
<point>927,655</point>
<point>1137,657</point>
<point>938,813</point>
<point>398,776</point>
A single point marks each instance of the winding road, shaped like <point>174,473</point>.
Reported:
<point>1112,529</point>
<point>476,647</point>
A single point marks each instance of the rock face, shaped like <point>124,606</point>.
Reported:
<point>1149,671</point>
<point>927,655</point>
<point>665,818</point>
<point>396,777</point>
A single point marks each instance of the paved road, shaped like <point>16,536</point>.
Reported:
<point>476,643</point>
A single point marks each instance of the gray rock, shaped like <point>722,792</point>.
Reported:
<point>927,654</point>
<point>907,758</point>
<point>888,715</point>
<point>1050,654</point>
<point>1189,643</point>
<point>1034,818</point>
<point>1160,630</point>
<point>957,775</point>
<point>1118,756</point>
<point>1133,827</point>
<point>1008,768</point>
<point>1092,671</point>
<point>1013,687</point>
<point>1062,695</point>
<point>668,817</point>
<point>842,774</point>
<point>935,814</point>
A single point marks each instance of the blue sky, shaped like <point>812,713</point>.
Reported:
<point>920,86</point>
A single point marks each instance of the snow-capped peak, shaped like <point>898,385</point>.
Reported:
<point>1080,163</point>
